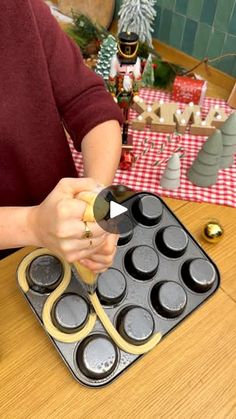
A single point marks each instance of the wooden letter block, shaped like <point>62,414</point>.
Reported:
<point>215,118</point>
<point>184,118</point>
<point>159,116</point>
<point>167,111</point>
<point>147,114</point>
<point>165,117</point>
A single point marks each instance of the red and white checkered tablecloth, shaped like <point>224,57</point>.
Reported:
<point>150,147</point>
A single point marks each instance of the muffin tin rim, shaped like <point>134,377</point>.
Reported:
<point>110,379</point>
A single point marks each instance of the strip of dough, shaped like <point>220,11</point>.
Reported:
<point>116,337</point>
<point>47,308</point>
<point>89,278</point>
<point>21,271</point>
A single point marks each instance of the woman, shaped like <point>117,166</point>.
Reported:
<point>45,87</point>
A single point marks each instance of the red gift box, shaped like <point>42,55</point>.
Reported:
<point>186,90</point>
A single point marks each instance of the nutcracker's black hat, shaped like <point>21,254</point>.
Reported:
<point>127,47</point>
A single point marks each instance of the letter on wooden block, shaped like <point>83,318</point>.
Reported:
<point>165,117</point>
<point>184,118</point>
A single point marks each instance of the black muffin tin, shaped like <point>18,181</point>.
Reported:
<point>159,276</point>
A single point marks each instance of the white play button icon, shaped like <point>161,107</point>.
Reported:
<point>116,209</point>
<point>111,211</point>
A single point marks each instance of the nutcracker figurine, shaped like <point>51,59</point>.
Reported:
<point>125,80</point>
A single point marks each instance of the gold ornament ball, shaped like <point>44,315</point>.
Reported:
<point>213,232</point>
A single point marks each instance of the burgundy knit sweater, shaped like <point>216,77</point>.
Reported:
<point>43,85</point>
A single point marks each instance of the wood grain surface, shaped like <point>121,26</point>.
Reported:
<point>100,11</point>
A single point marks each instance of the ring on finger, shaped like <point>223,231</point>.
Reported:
<point>87,232</point>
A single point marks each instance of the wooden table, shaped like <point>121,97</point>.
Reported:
<point>191,374</point>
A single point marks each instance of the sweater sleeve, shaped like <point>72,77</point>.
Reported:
<point>80,94</point>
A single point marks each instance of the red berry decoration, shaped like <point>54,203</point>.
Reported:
<point>127,160</point>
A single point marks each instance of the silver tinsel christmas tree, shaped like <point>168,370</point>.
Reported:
<point>106,52</point>
<point>138,16</point>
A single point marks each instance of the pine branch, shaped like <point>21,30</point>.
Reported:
<point>85,31</point>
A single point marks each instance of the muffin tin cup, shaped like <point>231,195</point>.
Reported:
<point>141,262</point>
<point>111,287</point>
<point>44,273</point>
<point>135,324</point>
<point>169,299</point>
<point>172,241</point>
<point>160,275</point>
<point>198,275</point>
<point>147,210</point>
<point>125,231</point>
<point>70,313</point>
<point>96,357</point>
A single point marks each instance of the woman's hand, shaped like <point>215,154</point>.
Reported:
<point>103,256</point>
<point>57,224</point>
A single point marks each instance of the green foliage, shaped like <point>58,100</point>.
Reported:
<point>84,31</point>
<point>164,73</point>
<point>70,30</point>
<point>144,50</point>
